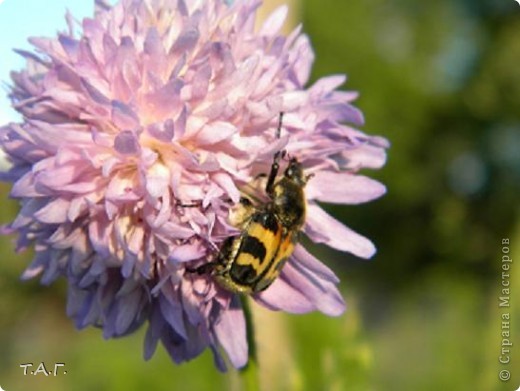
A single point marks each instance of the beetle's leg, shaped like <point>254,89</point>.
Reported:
<point>209,267</point>
<point>203,269</point>
<point>192,204</point>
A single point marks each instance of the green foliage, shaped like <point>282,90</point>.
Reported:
<point>439,80</point>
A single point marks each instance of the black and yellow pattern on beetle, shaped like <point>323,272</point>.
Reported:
<point>250,262</point>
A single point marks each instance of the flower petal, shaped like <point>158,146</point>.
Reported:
<point>215,132</point>
<point>226,183</point>
<point>327,84</point>
<point>128,308</point>
<point>321,292</point>
<point>343,188</point>
<point>231,333</point>
<point>282,296</point>
<point>366,156</point>
<point>274,22</point>
<point>123,116</point>
<point>187,252</point>
<point>307,260</point>
<point>172,312</point>
<point>323,228</point>
<point>126,143</point>
<point>54,212</point>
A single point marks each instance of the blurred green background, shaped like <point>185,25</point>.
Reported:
<point>440,80</point>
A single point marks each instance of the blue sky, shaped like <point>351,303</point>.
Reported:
<point>20,19</point>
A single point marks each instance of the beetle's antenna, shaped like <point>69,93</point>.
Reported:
<point>276,160</point>
<point>279,129</point>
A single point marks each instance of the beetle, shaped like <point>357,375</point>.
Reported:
<point>249,262</point>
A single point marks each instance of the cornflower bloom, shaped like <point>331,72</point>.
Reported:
<point>140,133</point>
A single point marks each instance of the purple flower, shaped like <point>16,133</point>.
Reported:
<point>139,135</point>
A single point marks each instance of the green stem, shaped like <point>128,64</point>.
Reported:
<point>249,373</point>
